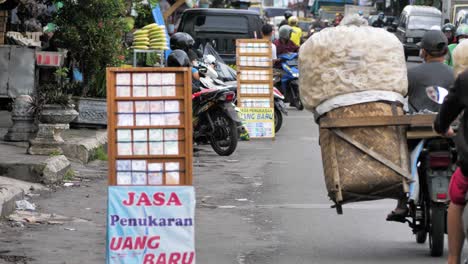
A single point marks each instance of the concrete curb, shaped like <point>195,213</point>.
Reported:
<point>81,144</point>
<point>12,190</point>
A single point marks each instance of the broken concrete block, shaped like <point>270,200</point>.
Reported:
<point>55,170</point>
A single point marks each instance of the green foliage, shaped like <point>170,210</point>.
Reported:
<point>92,30</point>
<point>57,91</point>
<point>69,175</point>
<point>144,14</point>
<point>100,154</point>
<point>55,153</point>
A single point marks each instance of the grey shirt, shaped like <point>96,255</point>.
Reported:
<point>423,76</point>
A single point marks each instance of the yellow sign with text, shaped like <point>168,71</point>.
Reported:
<point>260,122</point>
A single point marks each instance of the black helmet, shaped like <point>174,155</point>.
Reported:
<point>288,14</point>
<point>449,27</point>
<point>181,40</point>
<point>178,58</point>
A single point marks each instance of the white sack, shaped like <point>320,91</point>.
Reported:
<point>460,58</point>
<point>348,59</point>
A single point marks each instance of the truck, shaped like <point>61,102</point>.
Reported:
<point>327,9</point>
<point>354,9</point>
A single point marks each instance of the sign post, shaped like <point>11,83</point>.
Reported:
<point>255,86</point>
<point>151,202</point>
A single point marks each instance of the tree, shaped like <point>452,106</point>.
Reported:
<point>34,14</point>
<point>92,30</point>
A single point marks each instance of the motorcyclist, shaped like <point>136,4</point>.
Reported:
<point>456,103</point>
<point>296,35</point>
<point>461,34</point>
<point>179,58</point>
<point>284,43</point>
<point>338,18</point>
<point>380,21</point>
<point>431,73</point>
<point>449,30</point>
<point>287,15</point>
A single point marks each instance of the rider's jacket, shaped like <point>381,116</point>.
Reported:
<point>455,104</point>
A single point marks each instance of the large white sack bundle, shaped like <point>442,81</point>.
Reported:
<point>348,59</point>
<point>460,58</point>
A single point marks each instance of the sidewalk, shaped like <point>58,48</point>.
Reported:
<point>227,228</point>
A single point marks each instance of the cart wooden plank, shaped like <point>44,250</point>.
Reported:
<point>410,120</point>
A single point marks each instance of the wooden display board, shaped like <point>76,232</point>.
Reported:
<point>255,82</point>
<point>149,126</point>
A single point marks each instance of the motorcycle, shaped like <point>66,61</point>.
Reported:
<point>210,79</point>
<point>288,83</point>
<point>433,162</point>
<point>215,120</point>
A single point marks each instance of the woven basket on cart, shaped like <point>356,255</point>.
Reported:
<point>351,174</point>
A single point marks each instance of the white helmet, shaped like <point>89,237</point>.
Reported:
<point>210,59</point>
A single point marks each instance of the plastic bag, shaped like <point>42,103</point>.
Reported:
<point>348,59</point>
<point>460,58</point>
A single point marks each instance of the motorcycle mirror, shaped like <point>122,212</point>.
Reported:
<point>436,94</point>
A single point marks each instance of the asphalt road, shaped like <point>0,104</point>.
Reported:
<point>266,204</point>
<point>287,216</point>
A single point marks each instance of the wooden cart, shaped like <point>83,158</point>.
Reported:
<point>364,151</point>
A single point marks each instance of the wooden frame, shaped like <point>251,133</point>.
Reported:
<point>240,69</point>
<point>181,89</point>
<point>257,77</point>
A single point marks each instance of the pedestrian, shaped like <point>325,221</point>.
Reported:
<point>455,104</point>
<point>267,31</point>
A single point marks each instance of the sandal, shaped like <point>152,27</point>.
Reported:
<point>399,216</point>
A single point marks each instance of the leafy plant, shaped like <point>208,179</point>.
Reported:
<point>69,175</point>
<point>100,154</point>
<point>58,91</point>
<point>92,32</point>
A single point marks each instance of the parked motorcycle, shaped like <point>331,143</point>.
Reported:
<point>289,83</point>
<point>434,161</point>
<point>215,120</point>
<point>210,79</point>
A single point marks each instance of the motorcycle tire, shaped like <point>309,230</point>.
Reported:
<point>296,98</point>
<point>437,230</point>
<point>225,130</point>
<point>278,120</point>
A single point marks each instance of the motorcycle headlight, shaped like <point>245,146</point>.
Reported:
<point>296,75</point>
<point>410,40</point>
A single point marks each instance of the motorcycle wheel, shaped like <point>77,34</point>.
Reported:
<point>278,120</point>
<point>437,230</point>
<point>225,137</point>
<point>421,237</point>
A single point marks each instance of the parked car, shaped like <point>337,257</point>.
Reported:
<point>221,28</point>
<point>414,22</point>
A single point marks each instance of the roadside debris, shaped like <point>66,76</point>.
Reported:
<point>25,205</point>
<point>28,217</point>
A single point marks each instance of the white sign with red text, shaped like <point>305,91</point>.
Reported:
<point>151,225</point>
